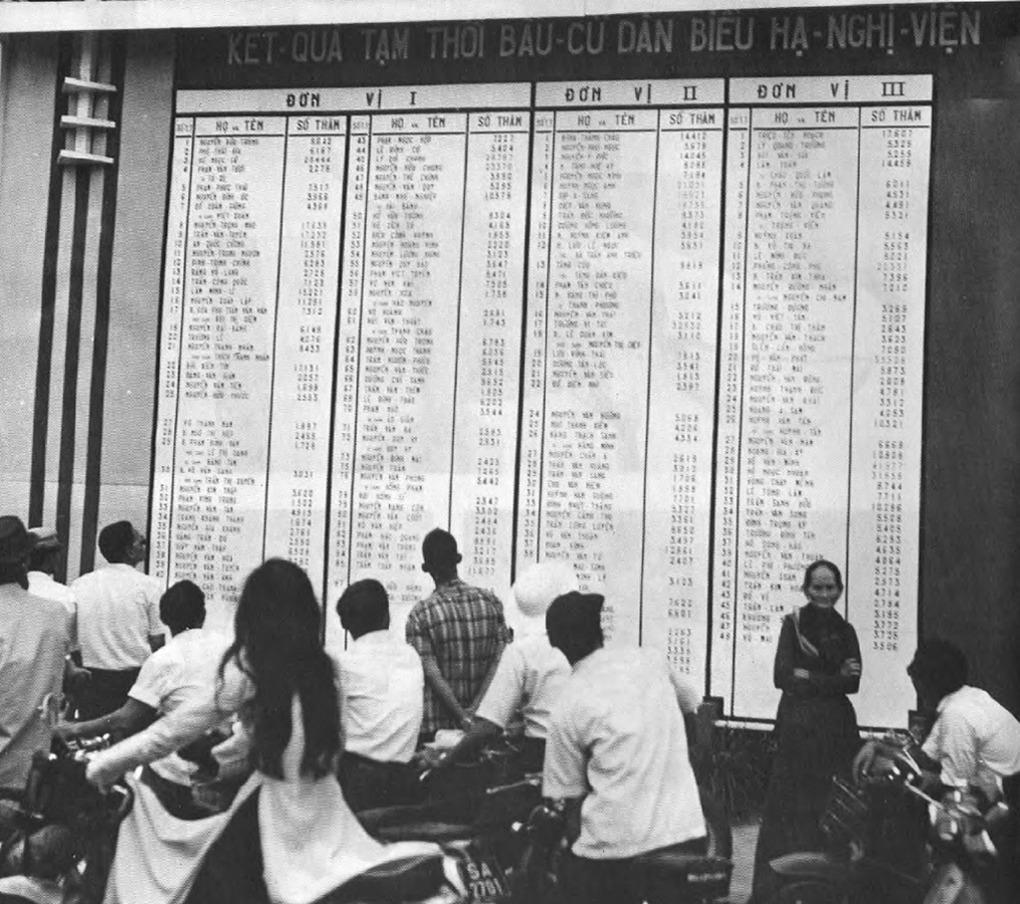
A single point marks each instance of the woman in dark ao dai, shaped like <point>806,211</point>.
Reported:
<point>817,665</point>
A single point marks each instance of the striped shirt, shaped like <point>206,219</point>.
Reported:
<point>462,628</point>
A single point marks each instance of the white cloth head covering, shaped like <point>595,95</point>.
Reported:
<point>539,584</point>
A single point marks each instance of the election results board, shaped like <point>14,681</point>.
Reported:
<point>669,330</point>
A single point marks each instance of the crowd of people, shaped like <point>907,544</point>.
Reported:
<point>302,739</point>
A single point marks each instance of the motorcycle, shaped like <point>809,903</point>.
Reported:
<point>967,860</point>
<point>415,880</point>
<point>63,830</point>
<point>510,843</point>
<point>889,841</point>
<point>476,812</point>
<point>663,876</point>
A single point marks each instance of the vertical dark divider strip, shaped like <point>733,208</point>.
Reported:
<point>100,342</point>
<point>334,383</point>
<point>51,245</point>
<point>717,404</point>
<point>521,376</point>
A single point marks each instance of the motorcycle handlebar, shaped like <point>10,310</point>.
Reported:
<point>531,780</point>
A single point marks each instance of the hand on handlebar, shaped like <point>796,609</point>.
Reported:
<point>429,758</point>
<point>864,761</point>
<point>877,760</point>
<point>65,731</point>
<point>103,778</point>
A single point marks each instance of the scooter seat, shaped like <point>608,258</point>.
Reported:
<point>424,830</point>
<point>803,865</point>
<point>407,879</point>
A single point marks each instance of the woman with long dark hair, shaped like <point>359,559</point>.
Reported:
<point>277,646</point>
<point>291,836</point>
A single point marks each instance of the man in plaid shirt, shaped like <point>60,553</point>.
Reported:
<point>459,633</point>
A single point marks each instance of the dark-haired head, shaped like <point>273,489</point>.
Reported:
<point>277,643</point>
<point>573,623</point>
<point>47,550</point>
<point>439,554</point>
<point>938,668</point>
<point>182,607</point>
<point>809,573</point>
<point>364,607</point>
<point>120,542</point>
<point>15,546</point>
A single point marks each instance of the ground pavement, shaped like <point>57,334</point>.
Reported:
<point>745,837</point>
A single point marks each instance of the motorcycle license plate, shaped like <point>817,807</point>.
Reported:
<point>485,879</point>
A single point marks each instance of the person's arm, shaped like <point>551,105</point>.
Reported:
<point>687,696</point>
<point>73,647</point>
<point>561,781</point>
<point>572,817</point>
<point>952,746</point>
<point>846,681</point>
<point>74,674</point>
<point>503,640</point>
<point>156,630</point>
<point>133,716</point>
<point>179,727</point>
<point>507,689</point>
<point>475,738</point>
<point>434,678</point>
<point>875,759</point>
<point>565,770</point>
<point>787,676</point>
<point>784,671</point>
<point>416,633</point>
<point>232,755</point>
<point>486,681</point>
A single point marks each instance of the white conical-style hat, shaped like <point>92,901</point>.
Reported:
<point>539,584</point>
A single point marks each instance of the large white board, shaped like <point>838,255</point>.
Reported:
<point>671,331</point>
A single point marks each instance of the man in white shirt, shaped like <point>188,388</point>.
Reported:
<point>118,619</point>
<point>153,841</point>
<point>617,754</point>
<point>179,672</point>
<point>381,685</point>
<point>974,741</point>
<point>43,562</point>
<point>34,633</point>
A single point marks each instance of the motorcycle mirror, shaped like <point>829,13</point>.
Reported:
<point>996,815</point>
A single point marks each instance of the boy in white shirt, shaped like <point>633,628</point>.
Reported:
<point>381,693</point>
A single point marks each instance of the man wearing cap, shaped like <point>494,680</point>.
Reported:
<point>43,562</point>
<point>459,631</point>
<point>617,754</point>
<point>118,620</point>
<point>34,635</point>
<point>529,678</point>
